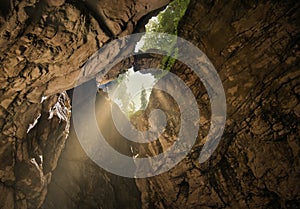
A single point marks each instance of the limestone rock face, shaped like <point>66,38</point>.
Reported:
<point>27,163</point>
<point>254,45</point>
<point>43,46</point>
<point>78,182</point>
<point>255,48</point>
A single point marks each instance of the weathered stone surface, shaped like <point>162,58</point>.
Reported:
<point>78,182</point>
<point>6,197</point>
<point>43,46</point>
<point>254,46</point>
<point>27,163</point>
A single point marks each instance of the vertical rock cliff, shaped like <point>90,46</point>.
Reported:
<point>44,45</point>
<point>254,46</point>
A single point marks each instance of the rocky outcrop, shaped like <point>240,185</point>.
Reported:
<point>254,46</point>
<point>78,182</point>
<point>44,45</point>
<point>27,163</point>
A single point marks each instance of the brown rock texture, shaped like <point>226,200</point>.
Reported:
<point>43,46</point>
<point>78,182</point>
<point>255,49</point>
<point>254,45</point>
<point>27,163</point>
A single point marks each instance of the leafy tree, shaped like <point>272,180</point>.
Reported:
<point>144,101</point>
<point>166,22</point>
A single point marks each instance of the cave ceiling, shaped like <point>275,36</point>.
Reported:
<point>52,49</point>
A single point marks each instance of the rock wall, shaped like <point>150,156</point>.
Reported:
<point>254,45</point>
<point>27,163</point>
<point>43,46</point>
<point>78,182</point>
<point>255,49</point>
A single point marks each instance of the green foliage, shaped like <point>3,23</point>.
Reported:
<point>144,101</point>
<point>166,22</point>
<point>131,109</point>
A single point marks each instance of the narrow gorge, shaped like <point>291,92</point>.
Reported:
<point>254,47</point>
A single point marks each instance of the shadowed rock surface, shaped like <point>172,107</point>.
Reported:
<point>44,45</point>
<point>254,46</point>
<point>78,182</point>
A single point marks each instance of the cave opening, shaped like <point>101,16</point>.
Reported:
<point>254,46</point>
